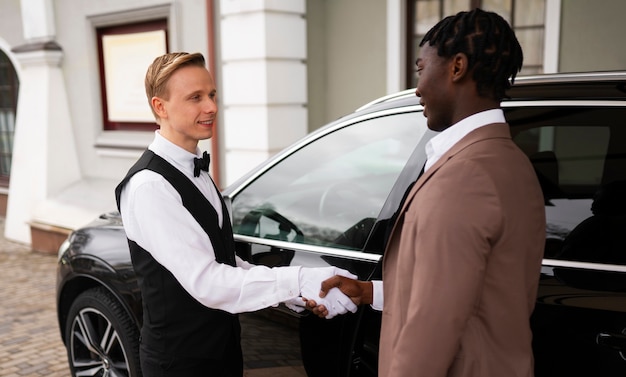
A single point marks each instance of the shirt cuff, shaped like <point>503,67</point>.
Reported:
<point>378,298</point>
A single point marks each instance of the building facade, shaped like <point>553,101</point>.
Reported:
<point>73,116</point>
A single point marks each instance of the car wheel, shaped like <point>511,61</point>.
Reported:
<point>101,339</point>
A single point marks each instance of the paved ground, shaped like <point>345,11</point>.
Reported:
<point>30,343</point>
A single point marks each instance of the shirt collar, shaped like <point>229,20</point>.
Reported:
<point>441,143</point>
<point>173,154</point>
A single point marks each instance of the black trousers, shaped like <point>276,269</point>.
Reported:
<point>230,365</point>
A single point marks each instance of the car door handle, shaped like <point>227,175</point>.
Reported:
<point>614,341</point>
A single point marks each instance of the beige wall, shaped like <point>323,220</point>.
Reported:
<point>11,32</point>
<point>350,37</point>
<point>592,36</point>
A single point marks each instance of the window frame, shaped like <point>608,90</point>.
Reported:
<point>160,24</point>
<point>412,38</point>
<point>9,95</point>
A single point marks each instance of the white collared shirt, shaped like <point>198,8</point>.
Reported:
<point>437,147</point>
<point>441,143</point>
<point>155,218</point>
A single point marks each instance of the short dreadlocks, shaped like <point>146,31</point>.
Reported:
<point>493,52</point>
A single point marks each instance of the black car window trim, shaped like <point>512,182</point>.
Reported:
<point>285,245</point>
<point>395,200</point>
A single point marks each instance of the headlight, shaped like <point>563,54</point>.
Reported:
<point>64,246</point>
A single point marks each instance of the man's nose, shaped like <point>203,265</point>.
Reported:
<point>210,106</point>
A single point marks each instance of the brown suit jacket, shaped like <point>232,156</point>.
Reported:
<point>462,266</point>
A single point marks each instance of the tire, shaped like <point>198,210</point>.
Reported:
<point>100,337</point>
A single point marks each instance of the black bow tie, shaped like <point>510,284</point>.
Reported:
<point>201,164</point>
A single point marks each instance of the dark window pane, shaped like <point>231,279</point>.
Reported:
<point>579,155</point>
<point>9,86</point>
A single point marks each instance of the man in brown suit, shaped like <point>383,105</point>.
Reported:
<point>462,264</point>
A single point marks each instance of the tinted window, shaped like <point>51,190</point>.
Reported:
<point>579,154</point>
<point>330,192</point>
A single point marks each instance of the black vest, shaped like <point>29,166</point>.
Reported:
<point>174,323</point>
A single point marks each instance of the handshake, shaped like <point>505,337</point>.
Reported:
<point>327,292</point>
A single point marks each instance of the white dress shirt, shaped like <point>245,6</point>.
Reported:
<point>437,147</point>
<point>155,218</point>
<point>441,143</point>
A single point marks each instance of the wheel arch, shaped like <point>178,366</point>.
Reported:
<point>79,284</point>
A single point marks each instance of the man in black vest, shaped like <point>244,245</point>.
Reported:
<point>181,242</point>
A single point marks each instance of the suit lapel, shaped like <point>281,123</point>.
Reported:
<point>491,131</point>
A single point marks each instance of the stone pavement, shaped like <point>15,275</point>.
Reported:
<point>30,342</point>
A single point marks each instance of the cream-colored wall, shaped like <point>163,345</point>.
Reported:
<point>10,24</point>
<point>346,56</point>
<point>317,66</point>
<point>592,36</point>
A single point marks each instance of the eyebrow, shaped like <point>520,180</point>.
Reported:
<point>200,91</point>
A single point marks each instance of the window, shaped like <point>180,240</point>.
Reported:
<point>9,86</point>
<point>579,154</point>
<point>125,52</point>
<point>527,17</point>
<point>330,192</point>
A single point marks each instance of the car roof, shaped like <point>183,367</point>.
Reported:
<point>559,86</point>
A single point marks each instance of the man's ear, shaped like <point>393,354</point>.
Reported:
<point>459,66</point>
<point>159,107</point>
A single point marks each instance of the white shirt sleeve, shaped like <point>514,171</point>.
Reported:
<point>154,218</point>
<point>378,299</point>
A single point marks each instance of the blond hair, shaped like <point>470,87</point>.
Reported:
<point>162,68</point>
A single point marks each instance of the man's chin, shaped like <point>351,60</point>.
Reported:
<point>207,134</point>
<point>434,127</point>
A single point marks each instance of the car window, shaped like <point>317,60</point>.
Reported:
<point>330,191</point>
<point>579,155</point>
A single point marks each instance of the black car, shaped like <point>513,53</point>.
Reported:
<point>330,199</point>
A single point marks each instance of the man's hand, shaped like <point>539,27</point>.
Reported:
<point>360,292</point>
<point>297,304</point>
<point>334,302</point>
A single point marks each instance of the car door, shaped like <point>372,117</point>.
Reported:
<point>317,205</point>
<point>579,153</point>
